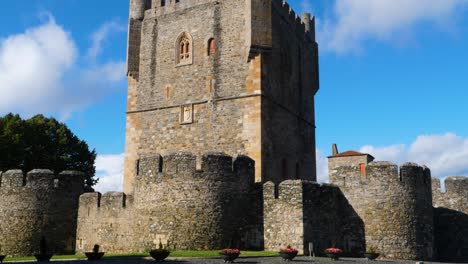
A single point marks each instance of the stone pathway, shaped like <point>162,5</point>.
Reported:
<point>268,260</point>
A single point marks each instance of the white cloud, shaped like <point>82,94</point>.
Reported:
<point>446,155</point>
<point>322,167</point>
<point>100,35</point>
<point>355,21</point>
<point>40,73</point>
<point>32,66</point>
<point>109,170</point>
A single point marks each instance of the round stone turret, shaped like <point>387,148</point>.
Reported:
<point>39,204</point>
<point>138,8</point>
<point>395,206</point>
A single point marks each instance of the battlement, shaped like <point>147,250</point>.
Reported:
<point>293,190</point>
<point>214,165</point>
<point>107,201</point>
<point>41,179</point>
<point>453,185</point>
<point>304,26</point>
<point>163,7</point>
<point>381,172</point>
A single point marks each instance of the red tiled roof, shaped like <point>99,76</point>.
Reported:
<point>349,153</point>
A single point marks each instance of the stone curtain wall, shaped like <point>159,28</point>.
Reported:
<point>39,204</point>
<point>330,221</point>
<point>395,206</point>
<point>299,212</point>
<point>109,221</point>
<point>451,219</point>
<point>206,206</point>
<point>283,215</point>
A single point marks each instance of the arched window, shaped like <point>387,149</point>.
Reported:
<point>211,47</point>
<point>184,49</point>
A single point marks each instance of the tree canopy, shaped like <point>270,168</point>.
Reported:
<point>43,143</point>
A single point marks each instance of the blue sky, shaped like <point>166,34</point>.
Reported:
<point>394,76</point>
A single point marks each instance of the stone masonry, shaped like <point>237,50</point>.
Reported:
<point>220,152</point>
<point>401,208</point>
<point>244,98</point>
<point>451,219</point>
<point>38,204</point>
<point>174,202</point>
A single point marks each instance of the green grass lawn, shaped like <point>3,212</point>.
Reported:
<point>174,254</point>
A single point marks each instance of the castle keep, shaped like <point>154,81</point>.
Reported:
<point>220,151</point>
<point>231,76</point>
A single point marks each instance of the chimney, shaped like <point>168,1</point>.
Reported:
<point>334,149</point>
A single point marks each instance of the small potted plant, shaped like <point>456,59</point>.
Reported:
<point>333,253</point>
<point>229,254</point>
<point>2,257</point>
<point>371,253</point>
<point>44,254</point>
<point>95,255</point>
<point>288,253</point>
<point>160,254</point>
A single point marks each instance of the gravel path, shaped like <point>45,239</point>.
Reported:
<point>270,260</point>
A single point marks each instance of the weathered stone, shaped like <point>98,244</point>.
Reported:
<point>254,91</point>
<point>189,208</point>
<point>39,204</point>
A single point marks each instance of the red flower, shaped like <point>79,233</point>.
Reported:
<point>231,251</point>
<point>333,250</point>
<point>288,250</point>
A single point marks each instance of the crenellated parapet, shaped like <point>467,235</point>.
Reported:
<point>214,197</point>
<point>39,204</point>
<point>451,219</point>
<point>105,219</point>
<point>211,166</point>
<point>17,180</point>
<point>300,212</point>
<point>164,7</point>
<point>383,175</point>
<point>394,203</point>
<point>215,187</point>
<point>455,196</point>
<point>303,26</point>
<point>108,201</point>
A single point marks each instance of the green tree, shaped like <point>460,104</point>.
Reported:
<point>43,143</point>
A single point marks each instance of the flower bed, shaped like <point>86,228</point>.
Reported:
<point>229,254</point>
<point>333,253</point>
<point>288,253</point>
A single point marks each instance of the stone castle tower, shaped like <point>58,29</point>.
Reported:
<point>220,151</point>
<point>232,76</point>
<point>35,205</point>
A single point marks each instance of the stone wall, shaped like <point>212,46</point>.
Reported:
<point>395,206</point>
<point>298,212</point>
<point>451,219</point>
<point>39,204</point>
<point>209,204</point>
<point>108,221</point>
<point>289,84</point>
<point>226,116</point>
